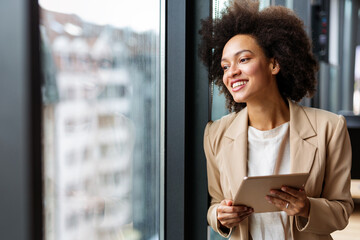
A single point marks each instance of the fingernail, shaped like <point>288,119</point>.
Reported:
<point>283,188</point>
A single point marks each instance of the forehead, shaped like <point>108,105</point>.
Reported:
<point>241,42</point>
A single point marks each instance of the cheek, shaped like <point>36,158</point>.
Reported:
<point>224,79</point>
<point>251,69</point>
<point>257,71</point>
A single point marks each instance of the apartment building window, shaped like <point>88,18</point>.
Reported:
<point>102,118</point>
<point>39,141</point>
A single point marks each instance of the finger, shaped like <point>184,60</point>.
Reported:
<point>245,212</point>
<point>233,221</point>
<point>283,195</point>
<point>224,216</point>
<point>297,193</point>
<point>242,208</point>
<point>279,203</point>
<point>231,209</point>
<point>228,219</point>
<point>223,202</point>
<point>226,202</point>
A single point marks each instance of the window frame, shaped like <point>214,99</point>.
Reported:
<point>186,114</point>
<point>20,93</point>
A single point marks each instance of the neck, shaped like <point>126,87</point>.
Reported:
<point>268,114</point>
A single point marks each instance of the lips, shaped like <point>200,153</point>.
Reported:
<point>238,84</point>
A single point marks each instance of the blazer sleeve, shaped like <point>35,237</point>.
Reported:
<point>332,210</point>
<point>214,186</point>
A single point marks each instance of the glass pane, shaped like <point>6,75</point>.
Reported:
<point>218,108</point>
<point>356,97</point>
<point>334,29</point>
<point>101,64</point>
<point>357,79</point>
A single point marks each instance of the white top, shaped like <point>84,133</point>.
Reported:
<point>268,154</point>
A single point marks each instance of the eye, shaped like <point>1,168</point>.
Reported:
<point>244,60</point>
<point>225,67</point>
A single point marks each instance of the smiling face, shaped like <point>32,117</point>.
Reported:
<point>248,74</point>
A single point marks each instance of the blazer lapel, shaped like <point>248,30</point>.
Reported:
<point>302,151</point>
<point>234,154</point>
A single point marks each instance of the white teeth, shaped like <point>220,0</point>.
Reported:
<point>237,84</point>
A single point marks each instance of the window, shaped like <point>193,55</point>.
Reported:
<point>334,29</point>
<point>102,118</point>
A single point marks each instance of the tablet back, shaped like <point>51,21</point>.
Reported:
<point>253,190</point>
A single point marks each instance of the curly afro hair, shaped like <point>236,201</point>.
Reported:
<point>281,35</point>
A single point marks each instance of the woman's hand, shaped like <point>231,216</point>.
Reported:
<point>292,201</point>
<point>230,216</point>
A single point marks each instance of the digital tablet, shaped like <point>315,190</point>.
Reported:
<point>253,190</point>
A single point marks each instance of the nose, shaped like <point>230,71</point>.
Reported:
<point>235,71</point>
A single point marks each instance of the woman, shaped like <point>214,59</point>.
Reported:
<point>262,62</point>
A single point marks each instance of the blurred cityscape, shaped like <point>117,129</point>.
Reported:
<point>100,109</point>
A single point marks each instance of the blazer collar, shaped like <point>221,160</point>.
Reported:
<point>302,144</point>
<point>234,155</point>
<point>299,123</point>
<point>239,126</point>
<point>302,152</point>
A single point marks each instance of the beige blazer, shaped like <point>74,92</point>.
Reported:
<point>319,144</point>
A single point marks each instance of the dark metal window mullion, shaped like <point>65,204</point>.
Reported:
<point>175,120</point>
<point>20,121</point>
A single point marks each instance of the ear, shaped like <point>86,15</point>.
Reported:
<point>275,67</point>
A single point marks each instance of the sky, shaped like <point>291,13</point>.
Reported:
<point>140,15</point>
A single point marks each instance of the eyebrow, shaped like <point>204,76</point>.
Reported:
<point>238,53</point>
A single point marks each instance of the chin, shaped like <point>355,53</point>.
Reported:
<point>239,100</point>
